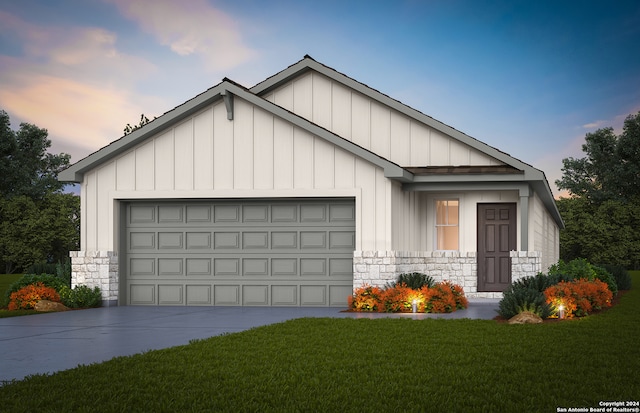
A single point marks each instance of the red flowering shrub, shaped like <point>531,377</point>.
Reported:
<point>27,297</point>
<point>579,297</point>
<point>444,297</point>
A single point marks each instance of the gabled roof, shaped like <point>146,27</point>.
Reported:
<point>227,89</point>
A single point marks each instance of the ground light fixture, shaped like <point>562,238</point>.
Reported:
<point>414,305</point>
<point>561,311</point>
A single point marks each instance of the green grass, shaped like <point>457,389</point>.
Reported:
<point>380,365</point>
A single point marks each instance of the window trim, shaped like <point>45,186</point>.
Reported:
<point>436,226</point>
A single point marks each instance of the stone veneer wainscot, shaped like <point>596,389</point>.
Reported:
<point>97,269</point>
<point>377,268</point>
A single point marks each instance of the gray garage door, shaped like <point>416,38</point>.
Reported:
<point>248,252</point>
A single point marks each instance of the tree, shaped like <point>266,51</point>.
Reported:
<point>37,222</point>
<point>611,169</point>
<point>34,231</point>
<point>603,213</point>
<point>25,166</point>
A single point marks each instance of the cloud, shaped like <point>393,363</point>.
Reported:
<point>191,27</point>
<point>74,82</point>
<point>596,124</point>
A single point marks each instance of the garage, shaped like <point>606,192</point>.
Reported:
<point>250,252</point>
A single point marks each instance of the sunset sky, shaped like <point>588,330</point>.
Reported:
<point>530,78</point>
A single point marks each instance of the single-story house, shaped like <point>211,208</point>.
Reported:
<point>298,190</point>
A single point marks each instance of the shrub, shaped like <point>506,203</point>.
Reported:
<point>27,297</point>
<point>41,268</point>
<point>366,298</point>
<point>518,300</point>
<point>579,297</point>
<point>444,297</point>
<point>620,274</point>
<point>527,294</point>
<point>49,280</point>
<point>581,269</point>
<point>81,297</point>
<point>414,280</point>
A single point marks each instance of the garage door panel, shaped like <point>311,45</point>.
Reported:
<point>255,240</point>
<point>313,240</point>
<point>226,240</point>
<point>142,266</point>
<point>142,240</point>
<point>226,266</point>
<point>284,239</point>
<point>342,213</point>
<point>170,240</point>
<point>284,213</point>
<point>342,240</point>
<point>142,214</point>
<point>255,213</point>
<point>337,294</point>
<point>340,267</point>
<point>313,267</point>
<point>170,294</point>
<point>287,267</point>
<point>313,295</point>
<point>198,294</point>
<point>255,266</point>
<point>142,294</point>
<point>255,295</point>
<point>313,213</point>
<point>198,214</point>
<point>198,266</point>
<point>223,252</point>
<point>226,294</point>
<point>285,295</point>
<point>170,266</point>
<point>170,214</point>
<point>198,240</point>
<point>227,213</point>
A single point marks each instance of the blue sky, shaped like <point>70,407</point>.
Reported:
<point>530,78</point>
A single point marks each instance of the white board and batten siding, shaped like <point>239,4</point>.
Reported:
<point>257,155</point>
<point>545,235</point>
<point>372,125</point>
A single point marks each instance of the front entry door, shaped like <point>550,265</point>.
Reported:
<point>496,238</point>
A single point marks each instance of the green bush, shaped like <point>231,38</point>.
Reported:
<point>49,280</point>
<point>620,274</point>
<point>527,294</point>
<point>41,268</point>
<point>414,280</point>
<point>581,268</point>
<point>81,297</point>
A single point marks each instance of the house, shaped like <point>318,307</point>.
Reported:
<point>298,190</point>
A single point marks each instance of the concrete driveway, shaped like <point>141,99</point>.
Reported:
<point>47,343</point>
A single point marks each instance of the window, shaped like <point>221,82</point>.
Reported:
<point>447,224</point>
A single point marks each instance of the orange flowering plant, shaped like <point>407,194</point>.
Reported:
<point>443,297</point>
<point>579,297</point>
<point>28,296</point>
<point>366,298</point>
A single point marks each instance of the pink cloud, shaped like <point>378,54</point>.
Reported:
<point>74,82</point>
<point>192,27</point>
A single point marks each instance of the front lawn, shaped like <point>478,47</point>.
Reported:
<point>364,365</point>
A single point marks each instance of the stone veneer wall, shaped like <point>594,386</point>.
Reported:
<point>378,268</point>
<point>97,269</point>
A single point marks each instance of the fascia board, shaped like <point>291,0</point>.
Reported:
<point>75,172</point>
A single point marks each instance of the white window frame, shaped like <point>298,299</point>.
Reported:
<point>436,226</point>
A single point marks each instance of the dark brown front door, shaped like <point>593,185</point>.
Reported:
<point>496,238</point>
